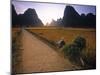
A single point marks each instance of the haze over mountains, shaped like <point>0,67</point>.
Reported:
<point>71,18</point>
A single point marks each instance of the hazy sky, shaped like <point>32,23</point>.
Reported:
<point>46,12</point>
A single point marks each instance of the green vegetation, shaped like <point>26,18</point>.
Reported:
<point>74,50</point>
<point>80,42</point>
<point>78,53</point>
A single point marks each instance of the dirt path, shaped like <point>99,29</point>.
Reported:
<point>39,57</point>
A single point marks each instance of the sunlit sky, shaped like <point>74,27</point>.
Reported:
<point>46,11</point>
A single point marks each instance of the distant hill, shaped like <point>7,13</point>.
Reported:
<point>28,19</point>
<point>14,16</point>
<point>71,18</point>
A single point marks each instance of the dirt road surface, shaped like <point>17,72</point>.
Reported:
<point>39,57</point>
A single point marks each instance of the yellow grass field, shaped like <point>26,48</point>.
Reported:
<point>69,34</point>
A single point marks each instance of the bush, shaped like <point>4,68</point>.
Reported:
<point>80,42</point>
<point>65,49</point>
<point>76,47</point>
<point>78,53</point>
<point>74,50</point>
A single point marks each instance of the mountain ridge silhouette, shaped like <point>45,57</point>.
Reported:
<point>28,19</point>
<point>71,18</point>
